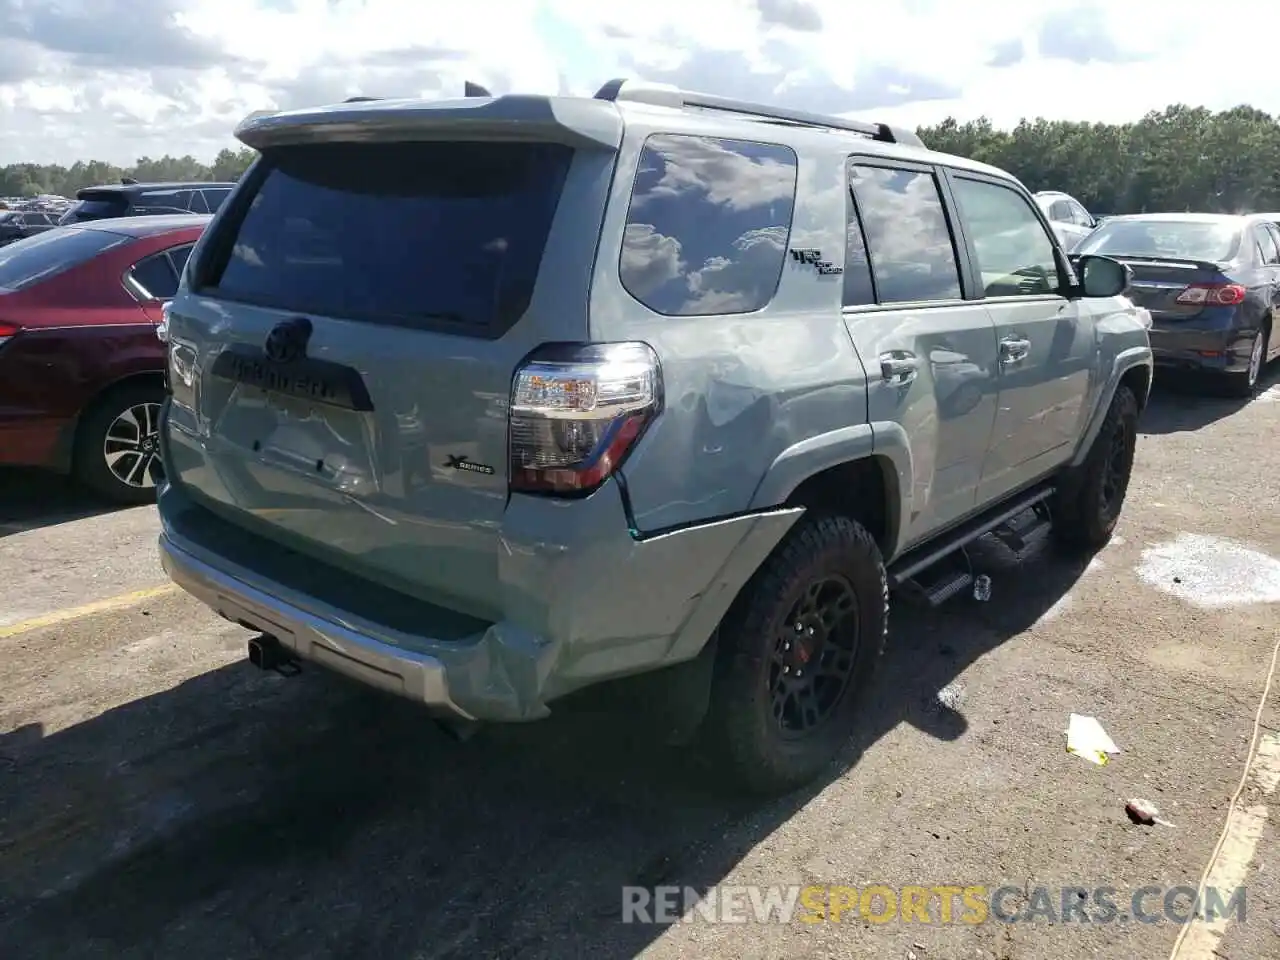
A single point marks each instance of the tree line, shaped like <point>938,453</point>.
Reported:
<point>1177,159</point>
<point>34,179</point>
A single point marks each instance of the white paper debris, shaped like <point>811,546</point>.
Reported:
<point>1086,738</point>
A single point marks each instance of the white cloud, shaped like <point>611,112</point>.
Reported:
<point>72,86</point>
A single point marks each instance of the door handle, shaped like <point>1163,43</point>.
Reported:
<point>1013,349</point>
<point>898,367</point>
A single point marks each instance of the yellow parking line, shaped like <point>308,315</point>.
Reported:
<point>123,602</point>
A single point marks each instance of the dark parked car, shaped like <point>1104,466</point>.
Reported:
<point>1211,283</point>
<point>145,199</point>
<point>18,224</point>
<point>81,366</point>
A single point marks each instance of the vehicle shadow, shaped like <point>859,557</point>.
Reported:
<point>242,814</point>
<point>32,499</point>
<point>1183,401</point>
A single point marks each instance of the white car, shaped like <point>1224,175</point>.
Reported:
<point>1067,215</point>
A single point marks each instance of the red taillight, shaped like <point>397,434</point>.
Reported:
<point>8,330</point>
<point>577,411</point>
<point>1212,295</point>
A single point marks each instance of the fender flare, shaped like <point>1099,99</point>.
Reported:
<point>883,440</point>
<point>1125,360</point>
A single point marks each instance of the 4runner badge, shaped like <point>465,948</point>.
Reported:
<point>813,257</point>
<point>462,463</point>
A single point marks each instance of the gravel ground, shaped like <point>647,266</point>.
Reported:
<point>162,798</point>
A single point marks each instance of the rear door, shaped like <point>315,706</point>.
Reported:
<point>350,342</point>
<point>929,353</point>
<point>1045,343</point>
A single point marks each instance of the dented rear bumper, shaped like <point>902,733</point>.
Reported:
<point>581,607</point>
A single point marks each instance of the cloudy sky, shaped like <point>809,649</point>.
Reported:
<point>115,79</point>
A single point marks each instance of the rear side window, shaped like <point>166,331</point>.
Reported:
<point>413,234</point>
<point>907,236</point>
<point>156,277</point>
<point>1060,211</point>
<point>49,253</point>
<point>707,225</point>
<point>161,201</point>
<point>215,198</point>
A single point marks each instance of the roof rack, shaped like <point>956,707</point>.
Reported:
<point>668,95</point>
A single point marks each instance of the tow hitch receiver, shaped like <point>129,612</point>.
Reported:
<point>268,653</point>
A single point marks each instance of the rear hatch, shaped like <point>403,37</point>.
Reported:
<point>343,361</point>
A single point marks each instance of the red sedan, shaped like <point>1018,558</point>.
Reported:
<point>81,367</point>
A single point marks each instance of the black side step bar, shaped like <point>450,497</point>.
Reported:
<point>925,556</point>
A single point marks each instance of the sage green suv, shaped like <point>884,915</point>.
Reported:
<point>489,400</point>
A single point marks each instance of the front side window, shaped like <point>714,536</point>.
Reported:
<point>1015,254</point>
<point>708,225</point>
<point>445,234</point>
<point>908,239</point>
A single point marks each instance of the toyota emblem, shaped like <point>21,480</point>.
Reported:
<point>287,341</point>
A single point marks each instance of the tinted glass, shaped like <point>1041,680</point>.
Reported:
<point>1060,211</point>
<point>909,243</point>
<point>404,232</point>
<point>161,201</point>
<point>1215,241</point>
<point>1080,215</point>
<point>197,202</point>
<point>1014,251</point>
<point>1267,249</point>
<point>97,208</point>
<point>179,257</point>
<point>1274,232</point>
<point>156,276</point>
<point>215,198</point>
<point>50,252</point>
<point>707,225</point>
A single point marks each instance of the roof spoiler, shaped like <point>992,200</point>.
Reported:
<point>668,95</point>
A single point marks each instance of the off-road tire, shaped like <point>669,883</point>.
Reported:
<point>746,742</point>
<point>89,465</point>
<point>1086,507</point>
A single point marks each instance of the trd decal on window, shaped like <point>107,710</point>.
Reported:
<point>812,257</point>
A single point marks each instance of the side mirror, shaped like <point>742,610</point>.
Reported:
<point>1101,276</point>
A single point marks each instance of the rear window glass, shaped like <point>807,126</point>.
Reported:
<point>1176,239</point>
<point>409,233</point>
<point>97,207</point>
<point>708,224</point>
<point>49,253</point>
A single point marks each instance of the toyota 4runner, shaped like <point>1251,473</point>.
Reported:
<point>488,400</point>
